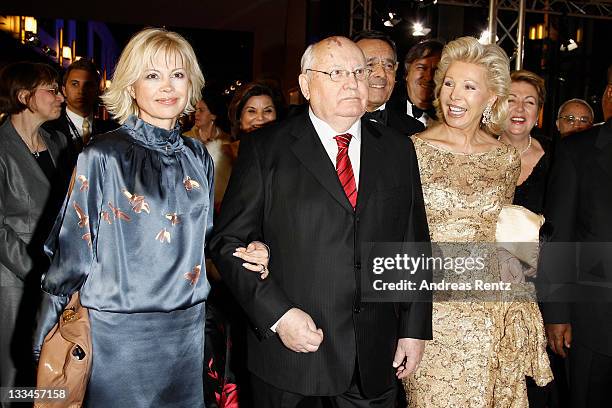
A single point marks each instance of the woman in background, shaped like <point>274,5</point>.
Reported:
<point>33,185</point>
<point>527,95</point>
<point>253,106</point>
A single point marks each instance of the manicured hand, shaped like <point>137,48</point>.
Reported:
<point>256,256</point>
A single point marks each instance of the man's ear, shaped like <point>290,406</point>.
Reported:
<point>304,86</point>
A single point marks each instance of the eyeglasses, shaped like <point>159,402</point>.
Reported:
<point>571,119</point>
<point>337,75</point>
<point>53,91</point>
<point>387,64</point>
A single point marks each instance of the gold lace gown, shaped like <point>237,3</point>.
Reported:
<point>481,350</point>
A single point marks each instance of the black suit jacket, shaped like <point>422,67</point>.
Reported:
<point>579,217</point>
<point>284,190</point>
<point>61,127</point>
<point>400,121</point>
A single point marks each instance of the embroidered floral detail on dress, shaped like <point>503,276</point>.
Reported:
<point>87,238</point>
<point>137,202</point>
<point>118,213</point>
<point>191,184</point>
<point>106,217</point>
<point>194,275</point>
<point>173,218</point>
<point>84,183</point>
<point>163,236</point>
<point>83,219</point>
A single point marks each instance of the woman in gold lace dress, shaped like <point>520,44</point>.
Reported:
<point>481,350</point>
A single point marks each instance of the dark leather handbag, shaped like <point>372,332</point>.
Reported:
<point>65,358</point>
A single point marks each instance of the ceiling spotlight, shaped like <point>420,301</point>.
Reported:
<point>418,30</point>
<point>426,3</point>
<point>571,45</point>
<point>485,37</point>
<point>392,20</point>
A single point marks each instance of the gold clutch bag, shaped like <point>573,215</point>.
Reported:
<point>518,232</point>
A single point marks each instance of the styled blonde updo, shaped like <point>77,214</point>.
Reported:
<point>137,56</point>
<point>497,66</point>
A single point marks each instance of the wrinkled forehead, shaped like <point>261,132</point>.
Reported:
<point>334,52</point>
<point>576,109</point>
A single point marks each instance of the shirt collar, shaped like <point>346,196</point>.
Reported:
<point>327,132</point>
<point>381,107</point>
<point>77,119</point>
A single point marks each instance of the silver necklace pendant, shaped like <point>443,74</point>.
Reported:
<point>36,154</point>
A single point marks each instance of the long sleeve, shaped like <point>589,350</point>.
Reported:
<point>416,317</point>
<point>557,258</point>
<point>14,253</point>
<point>72,243</point>
<point>239,223</point>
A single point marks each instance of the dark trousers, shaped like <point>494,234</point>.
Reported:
<point>590,378</point>
<point>268,396</point>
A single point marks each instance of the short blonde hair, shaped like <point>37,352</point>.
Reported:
<point>137,56</point>
<point>497,66</point>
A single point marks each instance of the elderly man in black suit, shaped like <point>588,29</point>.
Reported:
<point>381,57</point>
<point>575,274</point>
<point>315,188</point>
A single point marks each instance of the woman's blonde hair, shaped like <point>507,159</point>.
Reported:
<point>497,66</point>
<point>137,56</point>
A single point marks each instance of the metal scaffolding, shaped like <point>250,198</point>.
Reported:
<point>361,16</point>
<point>596,9</point>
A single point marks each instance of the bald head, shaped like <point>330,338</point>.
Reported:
<point>342,101</point>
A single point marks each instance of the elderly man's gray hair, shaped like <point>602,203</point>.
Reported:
<point>307,58</point>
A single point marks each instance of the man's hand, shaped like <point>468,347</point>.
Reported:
<point>559,336</point>
<point>408,355</point>
<point>298,331</point>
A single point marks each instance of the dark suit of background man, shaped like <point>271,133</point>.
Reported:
<point>381,57</point>
<point>311,333</point>
<point>420,64</point>
<point>579,209</point>
<point>81,89</point>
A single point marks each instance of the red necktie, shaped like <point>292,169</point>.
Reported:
<point>344,168</point>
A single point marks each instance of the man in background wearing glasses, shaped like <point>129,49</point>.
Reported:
<point>315,188</point>
<point>575,115</point>
<point>381,59</point>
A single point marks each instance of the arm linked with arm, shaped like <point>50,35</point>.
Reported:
<point>240,222</point>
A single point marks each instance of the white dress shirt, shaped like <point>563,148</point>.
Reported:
<point>424,119</point>
<point>326,135</point>
<point>77,121</point>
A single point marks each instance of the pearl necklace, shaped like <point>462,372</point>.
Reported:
<point>528,146</point>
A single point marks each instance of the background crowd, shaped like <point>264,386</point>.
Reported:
<point>147,186</point>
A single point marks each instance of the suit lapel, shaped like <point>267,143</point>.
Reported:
<point>22,154</point>
<point>310,152</point>
<point>371,158</point>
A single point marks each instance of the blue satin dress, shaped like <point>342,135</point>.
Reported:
<point>131,239</point>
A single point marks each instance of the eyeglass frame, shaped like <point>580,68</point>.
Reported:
<point>345,75</point>
<point>571,119</point>
<point>55,91</point>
